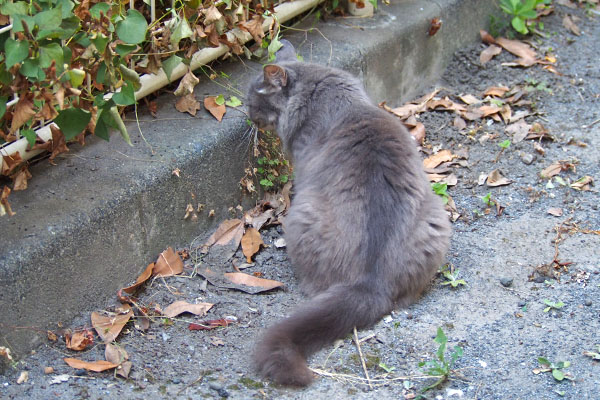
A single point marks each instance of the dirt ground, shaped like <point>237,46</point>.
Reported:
<point>498,317</point>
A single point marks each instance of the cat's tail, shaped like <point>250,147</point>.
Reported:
<point>282,352</point>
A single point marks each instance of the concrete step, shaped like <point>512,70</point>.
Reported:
<point>90,224</point>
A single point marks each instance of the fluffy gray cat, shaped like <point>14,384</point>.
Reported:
<point>365,232</point>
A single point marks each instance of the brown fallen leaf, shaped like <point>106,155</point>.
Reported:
<point>211,324</point>
<point>488,53</point>
<point>79,340</point>
<point>570,25</point>
<point>495,178</point>
<point>583,183</point>
<point>552,170</point>
<point>416,107</point>
<point>241,278</point>
<point>527,56</point>
<point>459,123</point>
<point>115,354</point>
<point>4,204</point>
<point>418,133</point>
<point>96,366</point>
<point>487,111</point>
<point>496,91</point>
<point>251,242</point>
<point>435,25</point>
<point>438,158</point>
<point>189,104</point>
<point>556,211</point>
<point>168,263</point>
<point>229,232</point>
<point>215,341</point>
<point>23,112</point>
<point>486,37</point>
<point>23,377</point>
<point>110,325</point>
<point>518,130</point>
<point>181,306</point>
<point>538,131</point>
<point>144,276</point>
<point>11,163</point>
<point>469,99</point>
<point>210,103</point>
<point>254,27</point>
<point>21,179</point>
<point>187,84</point>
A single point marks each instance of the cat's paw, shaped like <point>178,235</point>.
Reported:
<point>280,362</point>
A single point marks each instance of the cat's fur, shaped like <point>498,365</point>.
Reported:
<point>365,232</point>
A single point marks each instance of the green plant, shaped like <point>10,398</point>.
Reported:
<point>441,190</point>
<point>440,367</point>
<point>522,12</point>
<point>273,170</point>
<point>534,85</point>
<point>556,369</point>
<point>451,276</point>
<point>487,199</point>
<point>387,369</point>
<point>553,305</point>
<point>594,355</point>
<point>504,144</point>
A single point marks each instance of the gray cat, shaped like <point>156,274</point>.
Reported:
<point>365,232</point>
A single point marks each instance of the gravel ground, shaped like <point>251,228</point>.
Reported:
<point>498,317</point>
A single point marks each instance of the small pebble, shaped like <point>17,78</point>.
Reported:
<point>540,279</point>
<point>176,381</point>
<point>522,304</point>
<point>527,158</point>
<point>588,303</point>
<point>506,282</point>
<point>48,370</point>
<point>215,386</point>
<point>223,393</point>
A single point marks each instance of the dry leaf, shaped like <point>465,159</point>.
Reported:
<point>538,131</point>
<point>230,231</point>
<point>489,110</point>
<point>254,27</point>
<point>212,324</point>
<point>518,130</point>
<point>469,99</point>
<point>96,366</point>
<point>438,158</point>
<point>557,212</point>
<point>495,178</point>
<point>251,242</point>
<point>418,133</point>
<point>4,204</point>
<point>168,263</point>
<point>486,37</point>
<point>109,326</point>
<point>140,280</point>
<point>459,123</point>
<point>5,353</point>
<point>527,56</point>
<point>181,306</point>
<point>489,53</point>
<point>241,278</point>
<point>115,354</point>
<point>570,25</point>
<point>188,104</point>
<point>23,112</point>
<point>215,341</point>
<point>23,377</point>
<point>496,91</point>
<point>21,179</point>
<point>583,183</point>
<point>186,85</point>
<point>211,15</point>
<point>11,163</point>
<point>551,170</point>
<point>412,108</point>
<point>216,110</point>
<point>79,340</point>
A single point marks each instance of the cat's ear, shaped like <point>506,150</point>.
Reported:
<point>275,76</point>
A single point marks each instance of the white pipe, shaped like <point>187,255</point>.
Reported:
<point>152,82</point>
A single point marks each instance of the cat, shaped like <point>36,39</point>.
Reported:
<point>365,232</point>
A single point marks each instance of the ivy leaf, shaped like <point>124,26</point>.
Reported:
<point>3,101</point>
<point>76,77</point>
<point>12,9</point>
<point>220,100</point>
<point>30,135</point>
<point>125,49</point>
<point>31,69</point>
<point>103,123</point>
<point>182,31</point>
<point>233,102</point>
<point>72,121</point>
<point>15,51</point>
<point>558,374</point>
<point>132,29</point>
<point>125,97</point>
<point>130,76</point>
<point>99,40</point>
<point>49,53</point>
<point>97,8</point>
<point>50,19</point>
<point>170,64</point>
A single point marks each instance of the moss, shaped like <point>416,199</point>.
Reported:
<point>233,387</point>
<point>251,383</point>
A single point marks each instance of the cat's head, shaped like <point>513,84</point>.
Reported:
<point>268,92</point>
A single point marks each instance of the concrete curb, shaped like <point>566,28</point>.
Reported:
<point>89,225</point>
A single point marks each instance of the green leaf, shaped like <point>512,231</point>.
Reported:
<point>170,63</point>
<point>374,3</point>
<point>76,76</point>
<point>125,49</point>
<point>182,31</point>
<point>72,121</point>
<point>30,135</point>
<point>49,53</point>
<point>99,40</point>
<point>220,100</point>
<point>103,123</point>
<point>97,8</point>
<point>66,6</point>
<point>3,101</point>
<point>529,14</point>
<point>233,102</point>
<point>558,374</point>
<point>125,97</point>
<point>5,77</point>
<point>273,47</point>
<point>130,76</point>
<point>133,28</point>
<point>17,22</point>
<point>31,69</point>
<point>120,125</point>
<point>12,9</point>
<point>505,144</point>
<point>543,361</point>
<point>15,51</point>
<point>50,19</point>
<point>519,25</point>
